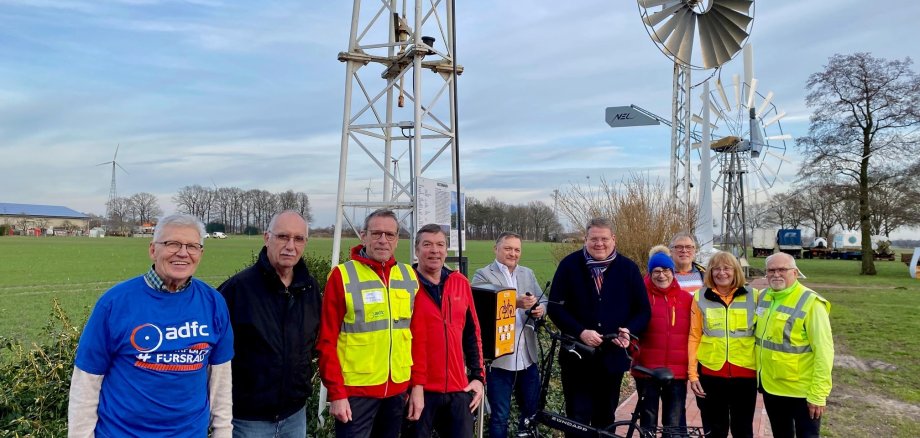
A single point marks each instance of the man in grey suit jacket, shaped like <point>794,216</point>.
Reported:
<point>516,372</point>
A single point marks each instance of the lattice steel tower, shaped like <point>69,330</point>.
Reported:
<point>400,97</point>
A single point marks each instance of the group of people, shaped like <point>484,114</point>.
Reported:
<point>399,346</point>
<point>727,341</point>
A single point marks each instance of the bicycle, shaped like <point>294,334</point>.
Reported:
<point>619,429</point>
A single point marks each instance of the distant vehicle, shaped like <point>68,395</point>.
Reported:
<point>207,235</point>
<point>218,235</point>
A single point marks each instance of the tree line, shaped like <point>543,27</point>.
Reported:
<point>827,206</point>
<point>485,220</point>
<point>236,210</point>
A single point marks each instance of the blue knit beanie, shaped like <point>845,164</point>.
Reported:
<point>660,260</point>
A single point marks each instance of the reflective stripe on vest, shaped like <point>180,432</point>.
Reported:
<point>375,343</point>
<point>356,287</point>
<point>725,337</point>
<point>795,314</point>
<point>749,307</point>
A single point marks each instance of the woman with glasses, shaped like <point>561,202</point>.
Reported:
<point>664,344</point>
<point>721,349</point>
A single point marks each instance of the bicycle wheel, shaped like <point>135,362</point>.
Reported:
<point>627,429</point>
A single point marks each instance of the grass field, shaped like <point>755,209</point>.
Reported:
<point>876,379</point>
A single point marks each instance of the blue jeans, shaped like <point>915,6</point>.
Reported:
<point>294,426</point>
<point>673,398</point>
<point>501,383</point>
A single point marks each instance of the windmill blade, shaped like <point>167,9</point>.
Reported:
<point>721,89</point>
<point>775,119</point>
<point>662,33</point>
<point>104,163</point>
<point>751,93</point>
<point>736,83</point>
<point>653,3</point>
<point>730,29</point>
<point>656,18</point>
<point>680,43</point>
<point>765,103</point>
<point>712,39</point>
<point>773,172</point>
<point>116,152</point>
<point>780,137</point>
<point>699,120</point>
<point>119,165</point>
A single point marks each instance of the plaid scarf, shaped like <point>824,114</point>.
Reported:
<point>598,267</point>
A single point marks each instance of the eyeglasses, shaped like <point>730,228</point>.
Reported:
<point>376,235</point>
<point>285,238</point>
<point>683,247</point>
<point>659,271</point>
<point>173,247</point>
<point>780,271</point>
<point>723,269</point>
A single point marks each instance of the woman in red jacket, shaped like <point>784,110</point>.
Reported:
<point>664,343</point>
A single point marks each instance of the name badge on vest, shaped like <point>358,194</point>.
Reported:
<point>373,296</point>
<point>759,311</point>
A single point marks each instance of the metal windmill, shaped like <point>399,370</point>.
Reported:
<point>749,149</point>
<point>718,29</point>
<point>113,192</point>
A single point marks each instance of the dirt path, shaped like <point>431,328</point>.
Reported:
<point>894,407</point>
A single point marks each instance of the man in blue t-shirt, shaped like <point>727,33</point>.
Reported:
<point>154,357</point>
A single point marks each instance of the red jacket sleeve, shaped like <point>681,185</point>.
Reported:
<point>330,370</point>
<point>419,341</point>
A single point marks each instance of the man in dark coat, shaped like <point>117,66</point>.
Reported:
<point>274,310</point>
<point>597,292</point>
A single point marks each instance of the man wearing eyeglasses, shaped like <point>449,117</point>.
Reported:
<point>365,344</point>
<point>275,311</point>
<point>794,351</point>
<point>154,357</point>
<point>688,273</point>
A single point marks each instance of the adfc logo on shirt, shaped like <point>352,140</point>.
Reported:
<point>148,338</point>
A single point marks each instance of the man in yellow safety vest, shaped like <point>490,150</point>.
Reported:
<point>364,345</point>
<point>794,351</point>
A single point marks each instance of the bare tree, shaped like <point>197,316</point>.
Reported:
<point>864,109</point>
<point>119,220</point>
<point>144,207</point>
<point>195,200</point>
<point>287,200</point>
<point>894,203</point>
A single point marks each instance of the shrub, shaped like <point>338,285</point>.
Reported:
<point>643,213</point>
<point>35,384</point>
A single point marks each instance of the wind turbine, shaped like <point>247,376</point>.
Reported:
<point>113,192</point>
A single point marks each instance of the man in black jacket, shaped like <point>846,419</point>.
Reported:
<point>274,310</point>
<point>597,292</point>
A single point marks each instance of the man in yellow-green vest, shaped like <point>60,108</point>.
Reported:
<point>365,345</point>
<point>794,351</point>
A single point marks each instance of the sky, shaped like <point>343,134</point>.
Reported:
<point>250,93</point>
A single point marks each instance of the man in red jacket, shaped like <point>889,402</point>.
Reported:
<point>365,340</point>
<point>445,344</point>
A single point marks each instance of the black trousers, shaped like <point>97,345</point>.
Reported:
<point>373,418</point>
<point>789,417</point>
<point>729,405</point>
<point>591,392</point>
<point>447,413</point>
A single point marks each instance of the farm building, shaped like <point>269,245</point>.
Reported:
<point>33,217</point>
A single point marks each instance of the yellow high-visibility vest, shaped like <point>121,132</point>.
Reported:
<point>728,331</point>
<point>375,342</point>
<point>785,359</point>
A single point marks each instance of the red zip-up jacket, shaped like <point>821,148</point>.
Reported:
<point>330,369</point>
<point>446,339</point>
<point>664,341</point>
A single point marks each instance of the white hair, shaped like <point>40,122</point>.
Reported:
<point>179,220</point>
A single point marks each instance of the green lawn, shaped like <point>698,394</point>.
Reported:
<point>78,270</point>
<point>874,318</point>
